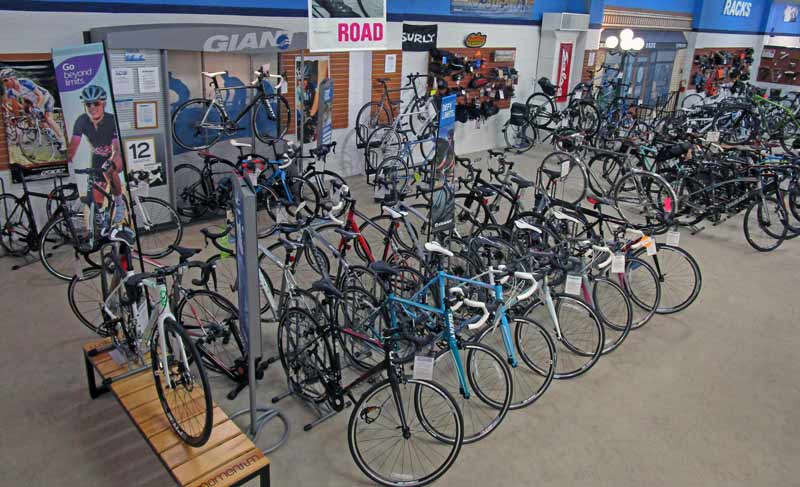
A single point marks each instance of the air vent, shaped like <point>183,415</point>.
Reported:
<point>565,21</point>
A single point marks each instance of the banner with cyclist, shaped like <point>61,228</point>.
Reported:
<point>34,125</point>
<point>93,149</point>
<point>443,201</point>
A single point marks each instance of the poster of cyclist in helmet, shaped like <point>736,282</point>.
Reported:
<point>93,147</point>
<point>31,111</point>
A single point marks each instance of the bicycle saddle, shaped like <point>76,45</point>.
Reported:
<point>382,80</point>
<point>381,268</point>
<point>345,234</point>
<point>327,287</point>
<point>520,181</point>
<point>553,173</point>
<point>523,225</point>
<point>185,253</point>
<point>214,74</point>
<point>434,247</point>
<point>236,143</point>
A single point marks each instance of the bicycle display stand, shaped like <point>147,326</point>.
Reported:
<point>229,458</point>
<point>244,210</point>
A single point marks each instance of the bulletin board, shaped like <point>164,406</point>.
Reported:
<point>780,65</point>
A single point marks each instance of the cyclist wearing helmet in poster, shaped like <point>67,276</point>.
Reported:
<point>34,99</point>
<point>100,129</point>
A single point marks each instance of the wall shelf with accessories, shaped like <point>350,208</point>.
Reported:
<point>483,78</point>
<point>780,65</point>
<point>713,67</point>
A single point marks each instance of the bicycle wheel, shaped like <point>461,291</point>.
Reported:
<point>395,174</point>
<point>212,322</point>
<point>535,354</point>
<point>604,172</point>
<point>490,389</point>
<point>645,199</point>
<point>181,383</point>
<point>224,277</point>
<point>692,100</point>
<point>425,114</point>
<point>191,192</point>
<point>520,138</point>
<point>569,188</point>
<point>375,422</point>
<point>304,198</point>
<point>58,249</point>
<point>352,312</point>
<point>157,226</point>
<point>765,228</point>
<point>678,274</point>
<point>15,225</point>
<point>265,220</point>
<point>586,118</point>
<point>197,124</point>
<point>323,182</point>
<point>382,142</point>
<point>272,118</point>
<point>614,309</point>
<point>85,298</point>
<point>790,136</point>
<point>371,116</point>
<point>37,147</point>
<point>471,214</point>
<point>541,110</point>
<point>302,353</point>
<point>641,284</point>
<point>581,338</point>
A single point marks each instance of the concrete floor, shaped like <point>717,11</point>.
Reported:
<point>706,397</point>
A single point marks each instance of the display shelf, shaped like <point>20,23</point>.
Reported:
<point>488,56</point>
<point>228,459</point>
<point>780,65</point>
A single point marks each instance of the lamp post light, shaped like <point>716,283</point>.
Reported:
<point>625,45</point>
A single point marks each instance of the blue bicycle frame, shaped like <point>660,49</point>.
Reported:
<point>279,174</point>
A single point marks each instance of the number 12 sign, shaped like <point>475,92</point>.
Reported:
<point>140,154</point>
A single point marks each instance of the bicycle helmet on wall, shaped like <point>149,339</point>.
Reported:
<point>6,73</point>
<point>93,93</point>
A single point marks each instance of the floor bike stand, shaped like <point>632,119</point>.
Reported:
<point>244,211</point>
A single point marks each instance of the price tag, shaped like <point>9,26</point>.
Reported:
<point>712,137</point>
<point>423,367</point>
<point>253,177</point>
<point>502,94</point>
<point>673,238</point>
<point>564,168</point>
<point>650,245</point>
<point>689,130</point>
<point>618,264</point>
<point>573,284</point>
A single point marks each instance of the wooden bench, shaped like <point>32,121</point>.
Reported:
<point>228,459</point>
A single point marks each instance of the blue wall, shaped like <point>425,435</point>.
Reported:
<point>775,23</point>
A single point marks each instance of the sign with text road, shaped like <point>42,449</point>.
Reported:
<point>346,25</point>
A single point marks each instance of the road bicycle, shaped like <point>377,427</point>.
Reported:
<point>579,113</point>
<point>418,112</point>
<point>200,122</point>
<point>139,322</point>
<point>36,140</point>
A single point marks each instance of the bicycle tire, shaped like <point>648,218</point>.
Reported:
<point>323,182</point>
<point>85,298</point>
<point>213,323</point>
<point>278,119</point>
<point>295,340</point>
<point>644,307</point>
<point>302,193</point>
<point>193,429</point>
<point>533,373</point>
<point>57,250</point>
<point>154,244</point>
<point>520,138</point>
<point>666,271</point>
<point>15,225</point>
<point>36,150</point>
<point>541,110</point>
<point>766,223</point>
<point>645,200</point>
<point>369,403</point>
<point>617,321</point>
<point>395,171</point>
<point>570,188</point>
<point>186,131</point>
<point>587,118</point>
<point>191,193</point>
<point>371,115</point>
<point>790,136</point>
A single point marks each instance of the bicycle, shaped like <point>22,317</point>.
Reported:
<point>198,123</point>
<point>580,114</point>
<point>157,225</point>
<point>38,142</point>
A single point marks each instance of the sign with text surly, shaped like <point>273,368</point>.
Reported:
<point>564,65</point>
<point>346,25</point>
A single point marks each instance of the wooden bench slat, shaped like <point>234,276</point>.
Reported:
<point>132,384</point>
<point>95,344</point>
<point>164,438</point>
<point>136,399</point>
<point>212,459</point>
<point>233,471</point>
<point>182,453</point>
<point>109,368</point>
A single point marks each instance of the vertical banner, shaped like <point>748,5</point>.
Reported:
<point>32,117</point>
<point>92,137</point>
<point>346,25</point>
<point>325,113</point>
<point>443,201</point>
<point>564,65</point>
<point>310,72</point>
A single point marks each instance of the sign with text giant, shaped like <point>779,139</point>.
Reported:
<point>346,25</point>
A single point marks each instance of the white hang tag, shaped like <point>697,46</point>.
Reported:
<point>573,285</point>
<point>143,189</point>
<point>502,94</point>
<point>689,130</point>
<point>423,367</point>
<point>564,169</point>
<point>673,238</point>
<point>650,244</point>
<point>712,137</point>
<point>253,177</point>
<point>229,216</point>
<point>618,264</point>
